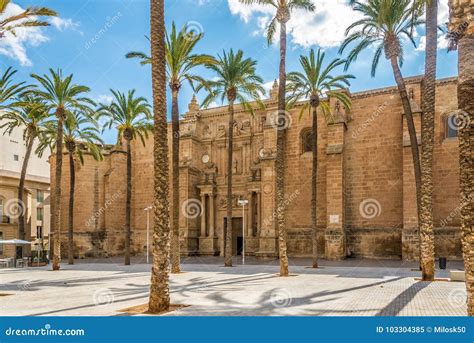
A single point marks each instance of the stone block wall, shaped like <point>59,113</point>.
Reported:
<point>366,196</point>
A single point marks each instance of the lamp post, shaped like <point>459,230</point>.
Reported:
<point>243,202</point>
<point>148,209</point>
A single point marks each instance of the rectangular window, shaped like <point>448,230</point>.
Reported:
<point>1,245</point>
<point>15,157</point>
<point>39,232</point>
<point>39,196</point>
<point>39,213</point>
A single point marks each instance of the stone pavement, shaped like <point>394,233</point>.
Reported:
<point>348,288</point>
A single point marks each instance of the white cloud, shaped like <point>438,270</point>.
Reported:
<point>442,43</point>
<point>443,12</point>
<point>443,17</point>
<point>64,23</point>
<point>325,27</point>
<point>105,99</point>
<point>15,46</point>
<point>268,86</point>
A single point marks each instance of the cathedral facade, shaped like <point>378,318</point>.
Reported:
<point>366,191</point>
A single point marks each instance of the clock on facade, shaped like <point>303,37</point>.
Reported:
<point>205,158</point>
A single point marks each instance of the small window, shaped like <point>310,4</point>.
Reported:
<point>39,232</point>
<point>15,157</point>
<point>452,126</point>
<point>39,196</point>
<point>1,245</point>
<point>39,213</point>
<point>306,141</point>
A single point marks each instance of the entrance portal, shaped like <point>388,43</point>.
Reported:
<point>237,238</point>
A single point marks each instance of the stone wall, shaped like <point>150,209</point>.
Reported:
<point>366,196</point>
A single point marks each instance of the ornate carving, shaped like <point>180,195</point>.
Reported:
<point>266,153</point>
<point>188,129</point>
<point>185,161</point>
<point>206,131</point>
<point>245,127</point>
<point>223,201</point>
<point>221,132</point>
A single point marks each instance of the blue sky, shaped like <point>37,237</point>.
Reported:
<point>92,36</point>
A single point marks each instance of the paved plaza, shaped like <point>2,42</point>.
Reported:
<point>348,288</point>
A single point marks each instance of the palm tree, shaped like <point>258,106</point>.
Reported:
<point>130,115</point>
<point>236,80</point>
<point>9,91</point>
<point>159,289</point>
<point>427,255</point>
<point>180,62</point>
<point>461,34</point>
<point>27,18</point>
<point>80,134</point>
<point>283,15</point>
<point>61,97</point>
<point>313,83</point>
<point>385,24</point>
<point>30,115</point>
<point>10,95</point>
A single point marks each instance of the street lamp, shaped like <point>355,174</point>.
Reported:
<point>243,202</point>
<point>148,209</point>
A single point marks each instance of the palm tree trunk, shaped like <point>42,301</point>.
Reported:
<point>128,209</point>
<point>280,156</point>
<point>314,187</point>
<point>175,254</point>
<point>411,128</point>
<point>159,289</point>
<point>21,187</point>
<point>427,254</point>
<point>72,186</point>
<point>230,148</point>
<point>466,148</point>
<point>57,190</point>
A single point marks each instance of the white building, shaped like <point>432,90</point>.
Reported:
<point>37,193</point>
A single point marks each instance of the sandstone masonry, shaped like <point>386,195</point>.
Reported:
<point>366,195</point>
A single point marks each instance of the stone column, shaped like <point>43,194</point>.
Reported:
<point>203,215</point>
<point>335,237</point>
<point>211,215</point>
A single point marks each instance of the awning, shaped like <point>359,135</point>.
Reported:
<point>15,241</point>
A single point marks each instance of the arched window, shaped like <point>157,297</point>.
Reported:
<point>306,140</point>
<point>452,126</point>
